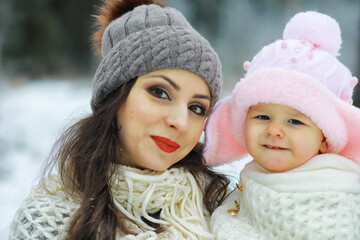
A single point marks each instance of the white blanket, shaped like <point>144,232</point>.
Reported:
<point>318,200</point>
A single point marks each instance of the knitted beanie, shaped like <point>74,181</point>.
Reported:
<point>301,71</point>
<point>149,38</point>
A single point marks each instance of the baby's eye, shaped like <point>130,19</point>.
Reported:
<point>263,117</point>
<point>159,93</point>
<point>197,109</point>
<point>296,122</point>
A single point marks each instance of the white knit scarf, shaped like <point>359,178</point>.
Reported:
<point>174,192</point>
<point>318,200</point>
<point>136,193</point>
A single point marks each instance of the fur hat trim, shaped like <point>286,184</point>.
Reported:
<point>338,120</point>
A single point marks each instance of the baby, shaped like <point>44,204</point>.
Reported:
<point>293,114</point>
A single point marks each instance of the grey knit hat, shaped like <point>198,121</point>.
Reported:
<point>149,38</point>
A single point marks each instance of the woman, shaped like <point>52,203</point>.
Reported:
<point>134,169</point>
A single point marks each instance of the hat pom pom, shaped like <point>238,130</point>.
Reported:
<point>316,28</point>
<point>111,10</point>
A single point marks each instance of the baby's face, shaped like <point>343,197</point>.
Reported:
<point>281,138</point>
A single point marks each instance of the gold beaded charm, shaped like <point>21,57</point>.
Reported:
<point>234,212</point>
<point>240,187</point>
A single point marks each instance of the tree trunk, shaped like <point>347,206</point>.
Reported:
<point>356,96</point>
<point>4,26</point>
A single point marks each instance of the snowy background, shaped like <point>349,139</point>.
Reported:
<point>32,114</point>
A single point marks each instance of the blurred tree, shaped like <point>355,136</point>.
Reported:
<point>4,25</point>
<point>48,37</point>
<point>205,17</point>
<point>357,72</point>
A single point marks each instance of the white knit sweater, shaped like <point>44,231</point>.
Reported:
<point>137,193</point>
<point>319,200</point>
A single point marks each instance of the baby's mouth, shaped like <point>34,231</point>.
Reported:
<point>274,147</point>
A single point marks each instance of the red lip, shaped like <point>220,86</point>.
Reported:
<point>165,144</point>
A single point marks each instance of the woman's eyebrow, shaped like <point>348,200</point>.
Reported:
<point>202,96</point>
<point>171,82</point>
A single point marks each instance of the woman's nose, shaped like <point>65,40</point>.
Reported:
<point>274,130</point>
<point>177,119</point>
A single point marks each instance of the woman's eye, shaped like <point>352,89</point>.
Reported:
<point>197,109</point>
<point>263,117</point>
<point>159,93</point>
<point>295,122</point>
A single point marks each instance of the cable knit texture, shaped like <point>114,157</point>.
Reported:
<point>319,201</point>
<point>151,38</point>
<point>137,193</point>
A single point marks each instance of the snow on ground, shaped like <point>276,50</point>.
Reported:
<point>32,114</point>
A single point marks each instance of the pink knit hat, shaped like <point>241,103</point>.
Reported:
<point>300,71</point>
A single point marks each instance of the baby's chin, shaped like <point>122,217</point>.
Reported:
<point>277,166</point>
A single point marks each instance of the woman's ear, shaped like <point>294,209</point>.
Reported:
<point>323,146</point>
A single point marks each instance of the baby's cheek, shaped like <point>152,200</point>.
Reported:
<point>308,147</point>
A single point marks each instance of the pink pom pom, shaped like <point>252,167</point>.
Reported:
<point>353,81</point>
<point>247,65</point>
<point>344,96</point>
<point>317,28</point>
